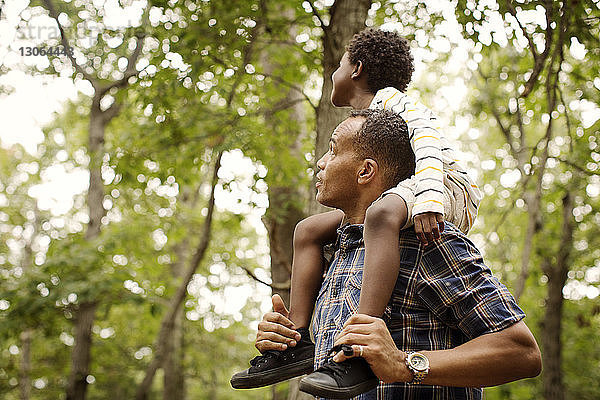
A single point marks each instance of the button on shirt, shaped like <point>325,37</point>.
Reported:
<point>444,296</point>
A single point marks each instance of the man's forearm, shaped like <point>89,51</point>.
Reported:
<point>487,360</point>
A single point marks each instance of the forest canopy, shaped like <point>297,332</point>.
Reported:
<point>156,156</point>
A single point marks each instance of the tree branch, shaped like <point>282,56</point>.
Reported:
<point>513,12</point>
<point>65,42</point>
<point>539,59</point>
<point>567,118</point>
<point>280,286</point>
<point>161,346</point>
<point>284,105</point>
<point>111,111</point>
<point>578,167</point>
<point>291,86</point>
<point>503,129</point>
<point>316,13</point>
<point>129,71</point>
<point>521,127</point>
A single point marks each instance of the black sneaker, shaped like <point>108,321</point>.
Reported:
<point>340,380</point>
<point>276,366</point>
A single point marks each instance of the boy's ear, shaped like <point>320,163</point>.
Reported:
<point>358,70</point>
<point>367,171</point>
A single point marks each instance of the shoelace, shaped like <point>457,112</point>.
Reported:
<point>271,354</point>
<point>256,361</point>
<point>337,370</point>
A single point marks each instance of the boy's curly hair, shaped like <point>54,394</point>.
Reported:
<point>385,56</point>
<point>383,137</point>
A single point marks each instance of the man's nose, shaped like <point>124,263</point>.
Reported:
<point>322,161</point>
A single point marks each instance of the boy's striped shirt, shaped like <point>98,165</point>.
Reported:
<point>435,158</point>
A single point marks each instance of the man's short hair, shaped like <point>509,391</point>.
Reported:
<point>384,138</point>
<point>385,56</point>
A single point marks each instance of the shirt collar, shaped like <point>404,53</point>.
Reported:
<point>350,235</point>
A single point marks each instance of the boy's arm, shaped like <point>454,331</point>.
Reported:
<point>425,139</point>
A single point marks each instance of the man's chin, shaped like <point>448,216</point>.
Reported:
<point>323,201</point>
<point>336,102</point>
<point>319,198</point>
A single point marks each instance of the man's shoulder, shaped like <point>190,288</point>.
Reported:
<point>450,231</point>
<point>451,239</point>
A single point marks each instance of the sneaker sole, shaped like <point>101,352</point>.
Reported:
<point>338,393</point>
<point>271,377</point>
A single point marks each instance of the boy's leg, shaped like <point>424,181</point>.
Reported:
<point>307,265</point>
<point>383,222</point>
<point>307,270</point>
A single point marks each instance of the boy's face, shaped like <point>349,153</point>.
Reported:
<point>342,82</point>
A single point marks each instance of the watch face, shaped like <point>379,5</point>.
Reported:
<point>419,362</point>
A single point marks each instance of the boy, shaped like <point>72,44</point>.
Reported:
<point>373,73</point>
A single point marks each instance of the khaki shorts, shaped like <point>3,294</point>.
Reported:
<point>455,202</point>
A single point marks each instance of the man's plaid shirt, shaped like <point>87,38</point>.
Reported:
<point>444,296</point>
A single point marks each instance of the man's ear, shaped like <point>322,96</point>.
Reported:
<point>368,171</point>
<point>358,70</point>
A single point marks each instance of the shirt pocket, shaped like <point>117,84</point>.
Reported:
<point>324,288</point>
<point>350,296</point>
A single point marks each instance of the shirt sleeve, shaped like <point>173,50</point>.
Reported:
<point>460,290</point>
<point>426,143</point>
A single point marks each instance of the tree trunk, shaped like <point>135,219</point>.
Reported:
<point>99,119</point>
<point>347,17</point>
<point>552,378</point>
<point>27,335</point>
<point>161,347</point>
<point>95,195</point>
<point>213,386</point>
<point>533,199</point>
<point>173,378</point>
<point>80,356</point>
<point>285,211</point>
<point>286,207</point>
<point>25,367</point>
<point>84,315</point>
<point>285,198</point>
<point>280,221</point>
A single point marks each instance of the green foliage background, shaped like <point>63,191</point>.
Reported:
<point>221,95</point>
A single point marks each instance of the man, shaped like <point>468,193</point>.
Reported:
<point>451,326</point>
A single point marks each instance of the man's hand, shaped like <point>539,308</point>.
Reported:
<point>276,331</point>
<point>378,347</point>
<point>486,360</point>
<point>428,226</point>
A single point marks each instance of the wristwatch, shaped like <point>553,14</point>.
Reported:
<point>418,364</point>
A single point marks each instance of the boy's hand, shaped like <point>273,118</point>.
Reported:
<point>428,226</point>
<point>276,331</point>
